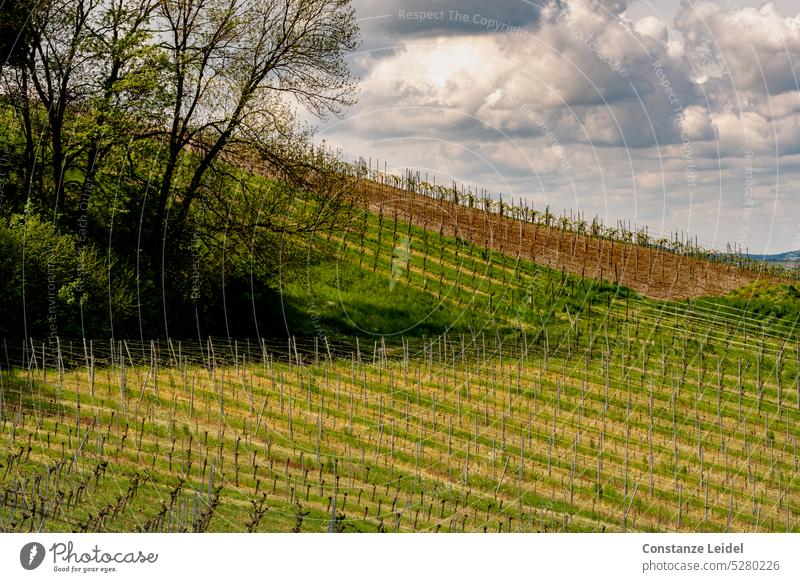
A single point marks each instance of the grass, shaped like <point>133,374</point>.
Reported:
<point>414,282</point>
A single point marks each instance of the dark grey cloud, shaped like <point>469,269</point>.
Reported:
<point>407,18</point>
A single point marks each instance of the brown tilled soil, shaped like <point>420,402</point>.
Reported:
<point>651,272</point>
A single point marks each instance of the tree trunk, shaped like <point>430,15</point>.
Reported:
<point>58,164</point>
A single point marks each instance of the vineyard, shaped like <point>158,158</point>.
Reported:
<point>441,384</point>
<point>565,241</point>
<point>656,269</point>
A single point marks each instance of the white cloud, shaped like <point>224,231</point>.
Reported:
<point>758,48</point>
<point>616,98</point>
<point>652,27</point>
<point>696,123</point>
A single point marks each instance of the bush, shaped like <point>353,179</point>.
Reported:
<point>54,285</point>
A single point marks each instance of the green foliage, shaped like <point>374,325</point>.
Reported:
<point>780,301</point>
<point>55,285</point>
<point>14,34</point>
<point>129,124</point>
<point>774,305</point>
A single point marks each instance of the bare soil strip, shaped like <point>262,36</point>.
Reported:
<point>647,270</point>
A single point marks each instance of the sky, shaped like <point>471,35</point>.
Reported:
<point>678,115</point>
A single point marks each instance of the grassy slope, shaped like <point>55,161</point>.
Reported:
<point>552,403</point>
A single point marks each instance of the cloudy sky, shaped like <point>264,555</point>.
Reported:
<point>675,114</point>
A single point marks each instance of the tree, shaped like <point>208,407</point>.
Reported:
<point>234,68</point>
<point>127,97</point>
<point>80,81</point>
<point>182,114</point>
<point>57,65</point>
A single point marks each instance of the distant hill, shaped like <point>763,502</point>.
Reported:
<point>790,258</point>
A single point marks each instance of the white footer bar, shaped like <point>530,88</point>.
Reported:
<point>403,557</point>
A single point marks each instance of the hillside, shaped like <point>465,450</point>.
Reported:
<point>645,268</point>
<point>441,386</point>
<point>790,259</point>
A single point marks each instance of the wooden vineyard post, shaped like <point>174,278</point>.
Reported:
<point>650,440</point>
<point>122,379</point>
<point>627,438</point>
